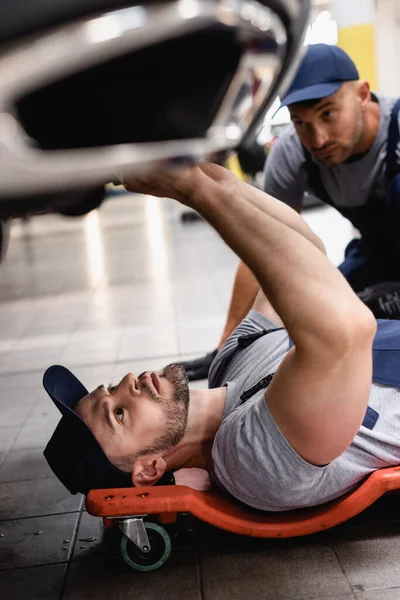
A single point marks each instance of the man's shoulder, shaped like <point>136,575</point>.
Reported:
<point>386,102</point>
<point>286,153</point>
<point>288,143</point>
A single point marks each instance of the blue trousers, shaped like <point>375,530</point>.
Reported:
<point>382,262</point>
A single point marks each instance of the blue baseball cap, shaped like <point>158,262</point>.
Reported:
<point>322,72</point>
<point>73,453</point>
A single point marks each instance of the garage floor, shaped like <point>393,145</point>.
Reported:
<point>129,288</point>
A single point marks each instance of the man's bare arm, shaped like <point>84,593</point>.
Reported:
<point>278,210</point>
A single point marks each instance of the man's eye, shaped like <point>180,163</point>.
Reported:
<point>111,388</point>
<point>119,413</point>
<point>327,114</point>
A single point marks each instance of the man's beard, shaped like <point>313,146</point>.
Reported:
<point>175,410</point>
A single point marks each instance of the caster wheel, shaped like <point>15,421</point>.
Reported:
<point>156,557</point>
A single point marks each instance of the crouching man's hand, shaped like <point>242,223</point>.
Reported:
<point>197,479</point>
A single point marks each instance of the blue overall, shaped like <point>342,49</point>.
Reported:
<point>375,257</point>
<point>385,360</point>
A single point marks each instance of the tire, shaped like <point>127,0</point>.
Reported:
<point>188,216</point>
<point>85,202</point>
<point>147,561</point>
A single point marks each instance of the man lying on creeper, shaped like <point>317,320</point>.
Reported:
<point>297,412</point>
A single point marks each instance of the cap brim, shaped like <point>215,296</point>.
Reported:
<point>312,92</point>
<point>73,452</point>
<point>63,388</point>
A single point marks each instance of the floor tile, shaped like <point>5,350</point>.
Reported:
<point>22,465</point>
<point>102,579</point>
<point>21,397</point>
<point>13,415</point>
<point>88,356</point>
<point>272,572</point>
<point>23,546</point>
<point>36,497</point>
<point>370,559</point>
<point>200,339</point>
<point>93,540</point>
<point>34,435</point>
<point>30,360</point>
<point>121,368</point>
<point>386,594</point>
<point>35,583</point>
<point>44,411</point>
<point>17,382</point>
<point>7,437</point>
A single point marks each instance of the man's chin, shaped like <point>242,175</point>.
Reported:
<point>338,157</point>
<point>333,160</point>
<point>173,371</point>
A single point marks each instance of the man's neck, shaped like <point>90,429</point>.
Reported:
<point>371,128</point>
<point>205,416</point>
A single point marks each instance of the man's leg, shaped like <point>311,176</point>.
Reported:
<point>244,293</point>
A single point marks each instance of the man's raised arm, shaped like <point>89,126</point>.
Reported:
<point>320,393</point>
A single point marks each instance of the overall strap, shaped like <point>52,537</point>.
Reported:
<point>263,383</point>
<point>314,179</point>
<point>244,341</point>
<point>393,149</point>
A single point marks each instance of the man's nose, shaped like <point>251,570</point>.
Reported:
<point>132,382</point>
<point>319,137</point>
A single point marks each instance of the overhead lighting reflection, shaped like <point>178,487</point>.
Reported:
<point>157,241</point>
<point>188,9</point>
<point>95,250</point>
<point>96,267</point>
<point>114,25</point>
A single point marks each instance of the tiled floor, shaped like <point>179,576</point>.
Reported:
<point>128,288</point>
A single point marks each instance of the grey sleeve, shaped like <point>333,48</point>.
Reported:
<point>284,175</point>
<point>253,461</point>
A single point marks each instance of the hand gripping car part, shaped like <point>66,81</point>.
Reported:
<point>146,545</point>
<point>91,89</point>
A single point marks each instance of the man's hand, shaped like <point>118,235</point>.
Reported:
<point>174,182</point>
<point>197,479</point>
<point>181,183</point>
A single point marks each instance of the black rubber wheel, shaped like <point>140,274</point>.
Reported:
<point>84,202</point>
<point>188,216</point>
<point>154,559</point>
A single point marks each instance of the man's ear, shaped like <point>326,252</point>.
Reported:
<point>148,472</point>
<point>364,92</point>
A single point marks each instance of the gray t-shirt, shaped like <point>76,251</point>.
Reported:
<point>348,184</point>
<point>253,461</point>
